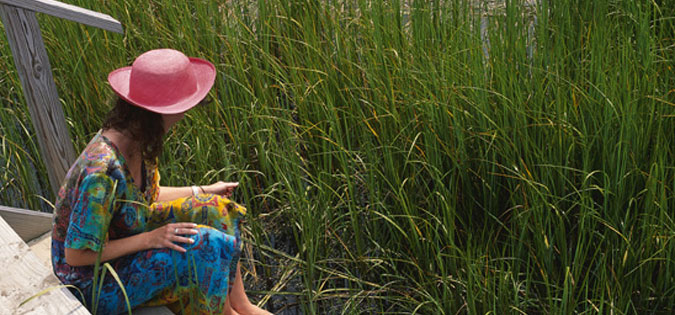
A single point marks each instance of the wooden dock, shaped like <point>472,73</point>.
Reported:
<point>28,224</point>
<point>24,276</point>
<point>25,253</point>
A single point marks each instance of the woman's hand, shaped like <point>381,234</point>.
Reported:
<point>167,236</point>
<point>221,188</point>
<point>163,237</point>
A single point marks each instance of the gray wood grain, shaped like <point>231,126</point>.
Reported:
<point>41,248</point>
<point>24,275</point>
<point>69,12</point>
<point>28,224</point>
<point>32,64</point>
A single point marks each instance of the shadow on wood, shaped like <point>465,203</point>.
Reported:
<point>29,224</point>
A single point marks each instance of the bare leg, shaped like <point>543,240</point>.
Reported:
<point>228,308</point>
<point>239,300</point>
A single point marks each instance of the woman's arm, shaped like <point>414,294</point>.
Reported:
<point>171,193</point>
<point>219,188</point>
<point>161,237</point>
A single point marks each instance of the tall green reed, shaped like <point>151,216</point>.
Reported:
<point>425,156</point>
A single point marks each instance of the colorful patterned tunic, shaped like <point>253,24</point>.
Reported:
<point>99,201</point>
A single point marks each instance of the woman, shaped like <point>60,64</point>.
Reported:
<point>169,245</point>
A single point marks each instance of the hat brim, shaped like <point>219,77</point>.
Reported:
<point>205,74</point>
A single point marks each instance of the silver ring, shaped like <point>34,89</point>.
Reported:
<point>175,231</point>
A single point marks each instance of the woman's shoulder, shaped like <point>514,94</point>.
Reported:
<point>97,162</point>
<point>99,156</point>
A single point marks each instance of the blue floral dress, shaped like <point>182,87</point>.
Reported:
<point>99,201</point>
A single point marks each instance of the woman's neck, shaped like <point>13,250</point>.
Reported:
<point>127,146</point>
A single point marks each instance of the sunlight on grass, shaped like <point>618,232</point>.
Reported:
<point>408,156</point>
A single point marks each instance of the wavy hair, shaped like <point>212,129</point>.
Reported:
<point>143,126</point>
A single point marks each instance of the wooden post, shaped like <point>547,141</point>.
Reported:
<point>32,63</point>
<point>35,74</point>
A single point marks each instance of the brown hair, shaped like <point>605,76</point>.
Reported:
<point>143,126</point>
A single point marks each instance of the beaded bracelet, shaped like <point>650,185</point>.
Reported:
<point>195,191</point>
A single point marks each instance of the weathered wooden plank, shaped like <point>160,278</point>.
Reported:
<point>24,275</point>
<point>69,12</point>
<point>41,248</point>
<point>32,64</point>
<point>28,224</point>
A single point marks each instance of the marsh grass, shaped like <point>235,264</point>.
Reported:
<point>413,156</point>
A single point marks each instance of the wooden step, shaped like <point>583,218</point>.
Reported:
<point>29,268</point>
<point>24,276</point>
<point>29,224</point>
<point>41,247</point>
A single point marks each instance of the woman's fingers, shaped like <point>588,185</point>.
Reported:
<point>182,225</point>
<point>183,228</point>
<point>229,188</point>
<point>175,247</point>
<point>173,233</point>
<point>185,231</point>
<point>221,188</point>
<point>181,239</point>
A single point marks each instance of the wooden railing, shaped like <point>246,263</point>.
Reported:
<point>23,274</point>
<point>35,74</point>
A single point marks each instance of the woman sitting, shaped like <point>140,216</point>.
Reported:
<point>168,245</point>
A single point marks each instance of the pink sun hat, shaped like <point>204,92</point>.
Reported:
<point>164,81</point>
